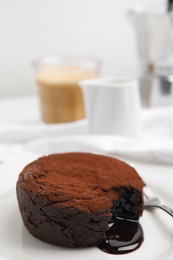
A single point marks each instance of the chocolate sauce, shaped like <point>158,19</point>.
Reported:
<point>124,236</point>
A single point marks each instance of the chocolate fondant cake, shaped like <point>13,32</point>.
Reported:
<point>69,199</point>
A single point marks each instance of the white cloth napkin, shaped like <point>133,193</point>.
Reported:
<point>27,138</point>
<point>20,122</point>
<point>111,145</point>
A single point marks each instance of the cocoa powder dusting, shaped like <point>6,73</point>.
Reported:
<point>81,180</point>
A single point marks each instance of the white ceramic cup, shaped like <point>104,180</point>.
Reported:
<point>112,106</point>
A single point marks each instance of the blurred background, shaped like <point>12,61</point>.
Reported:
<point>29,29</point>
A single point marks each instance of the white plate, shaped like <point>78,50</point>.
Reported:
<point>16,243</point>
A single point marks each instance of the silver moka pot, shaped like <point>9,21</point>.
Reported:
<point>154,37</point>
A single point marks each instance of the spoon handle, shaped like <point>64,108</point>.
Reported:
<point>167,209</point>
<point>160,206</point>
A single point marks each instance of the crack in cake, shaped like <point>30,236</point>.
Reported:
<point>69,199</point>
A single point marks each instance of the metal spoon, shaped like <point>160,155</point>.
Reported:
<point>151,200</point>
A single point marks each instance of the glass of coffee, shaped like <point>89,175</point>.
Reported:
<point>58,78</point>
